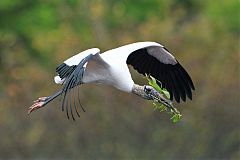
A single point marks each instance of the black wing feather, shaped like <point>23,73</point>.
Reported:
<point>173,77</point>
<point>179,84</point>
<point>73,75</point>
<point>64,70</point>
<point>188,78</point>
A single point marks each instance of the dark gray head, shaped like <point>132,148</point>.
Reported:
<point>150,93</point>
<point>146,92</point>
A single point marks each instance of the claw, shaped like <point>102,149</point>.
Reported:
<point>43,101</point>
<point>37,104</point>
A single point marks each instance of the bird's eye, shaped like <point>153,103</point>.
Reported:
<point>147,89</point>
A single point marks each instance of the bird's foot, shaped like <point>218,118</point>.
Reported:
<point>39,103</point>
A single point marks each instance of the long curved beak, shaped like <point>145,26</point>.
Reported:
<point>158,97</point>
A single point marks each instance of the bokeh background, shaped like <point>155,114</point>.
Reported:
<point>36,36</point>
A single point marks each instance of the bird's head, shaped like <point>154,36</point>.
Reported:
<point>150,93</point>
<point>147,92</point>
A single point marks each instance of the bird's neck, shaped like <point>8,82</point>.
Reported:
<point>138,90</point>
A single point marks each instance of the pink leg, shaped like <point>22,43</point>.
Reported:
<point>42,101</point>
<point>37,104</point>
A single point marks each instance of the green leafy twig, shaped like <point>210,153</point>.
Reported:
<point>159,105</point>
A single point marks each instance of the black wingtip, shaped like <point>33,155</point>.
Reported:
<point>75,107</point>
<point>178,99</point>
<point>193,87</point>
<point>74,76</point>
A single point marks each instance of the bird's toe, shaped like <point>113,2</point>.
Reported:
<point>35,106</point>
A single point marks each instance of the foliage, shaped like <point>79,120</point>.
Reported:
<point>158,105</point>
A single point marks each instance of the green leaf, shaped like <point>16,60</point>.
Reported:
<point>166,93</point>
<point>175,118</point>
<point>175,114</point>
<point>153,82</point>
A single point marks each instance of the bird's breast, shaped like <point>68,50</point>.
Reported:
<point>121,77</point>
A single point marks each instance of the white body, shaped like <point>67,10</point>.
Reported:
<point>109,67</point>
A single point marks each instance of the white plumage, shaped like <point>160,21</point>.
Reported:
<point>116,73</point>
<point>111,68</point>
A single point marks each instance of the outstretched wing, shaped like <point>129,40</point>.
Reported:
<point>156,61</point>
<point>70,74</point>
<point>68,66</point>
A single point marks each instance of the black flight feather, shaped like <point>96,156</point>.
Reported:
<point>73,75</point>
<point>173,77</point>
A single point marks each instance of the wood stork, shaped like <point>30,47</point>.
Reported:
<point>111,68</point>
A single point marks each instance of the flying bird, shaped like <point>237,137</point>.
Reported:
<point>111,68</point>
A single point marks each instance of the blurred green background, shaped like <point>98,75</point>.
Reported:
<point>36,36</point>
